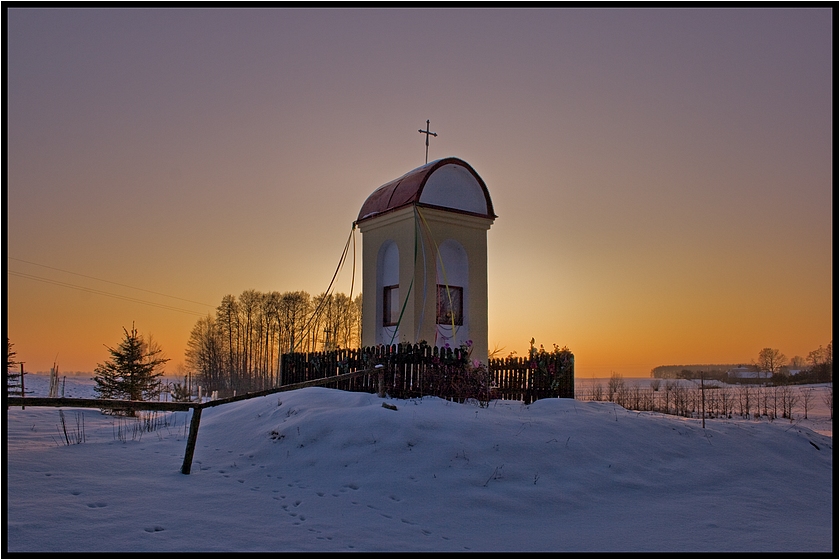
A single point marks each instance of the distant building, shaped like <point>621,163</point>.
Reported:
<point>748,372</point>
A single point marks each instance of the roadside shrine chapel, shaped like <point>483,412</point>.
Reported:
<point>424,246</point>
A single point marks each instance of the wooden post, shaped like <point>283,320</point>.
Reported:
<point>381,388</point>
<point>188,454</point>
<point>703,397</point>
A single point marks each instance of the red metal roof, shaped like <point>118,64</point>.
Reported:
<point>407,190</point>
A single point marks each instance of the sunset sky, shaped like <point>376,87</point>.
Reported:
<point>662,177</point>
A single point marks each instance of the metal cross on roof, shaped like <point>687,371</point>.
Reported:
<point>427,133</point>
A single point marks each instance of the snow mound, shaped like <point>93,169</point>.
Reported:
<point>324,470</point>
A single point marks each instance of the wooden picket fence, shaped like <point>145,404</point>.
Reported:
<point>416,371</point>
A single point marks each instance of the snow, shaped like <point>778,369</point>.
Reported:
<point>324,470</point>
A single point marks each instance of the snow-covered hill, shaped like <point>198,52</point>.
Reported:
<point>324,470</point>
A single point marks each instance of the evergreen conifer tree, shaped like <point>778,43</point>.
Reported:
<point>13,385</point>
<point>132,372</point>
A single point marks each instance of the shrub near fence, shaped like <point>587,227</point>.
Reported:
<point>420,370</point>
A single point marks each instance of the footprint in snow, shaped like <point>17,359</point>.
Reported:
<point>76,492</point>
<point>408,522</point>
<point>155,529</point>
<point>97,505</point>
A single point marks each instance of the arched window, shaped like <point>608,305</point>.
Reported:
<point>452,293</point>
<point>388,304</point>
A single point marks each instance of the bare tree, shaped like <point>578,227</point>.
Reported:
<point>821,362</point>
<point>614,386</point>
<point>771,360</point>
<point>797,362</point>
<point>240,348</point>
<point>227,319</point>
<point>828,399</point>
<point>670,385</point>
<point>636,397</point>
<point>807,396</point>
<point>726,403</point>
<point>789,400</point>
<point>294,310</point>
<point>744,400</point>
<point>678,398</point>
<point>762,399</point>
<point>597,392</point>
<point>205,355</point>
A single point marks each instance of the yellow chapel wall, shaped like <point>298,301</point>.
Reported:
<point>436,227</point>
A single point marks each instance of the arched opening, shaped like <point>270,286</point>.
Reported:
<point>452,315</point>
<point>388,302</point>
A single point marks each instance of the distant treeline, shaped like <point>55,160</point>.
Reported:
<point>239,347</point>
<point>67,373</point>
<point>682,372</point>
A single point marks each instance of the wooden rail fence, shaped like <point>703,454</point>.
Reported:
<point>114,404</point>
<point>402,371</point>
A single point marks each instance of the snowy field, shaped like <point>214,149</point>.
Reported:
<point>323,470</point>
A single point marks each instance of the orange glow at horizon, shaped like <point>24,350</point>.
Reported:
<point>663,178</point>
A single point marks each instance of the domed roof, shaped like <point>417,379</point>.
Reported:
<point>449,184</point>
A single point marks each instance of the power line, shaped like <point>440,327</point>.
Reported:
<point>307,328</point>
<point>103,293</point>
<point>110,282</point>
